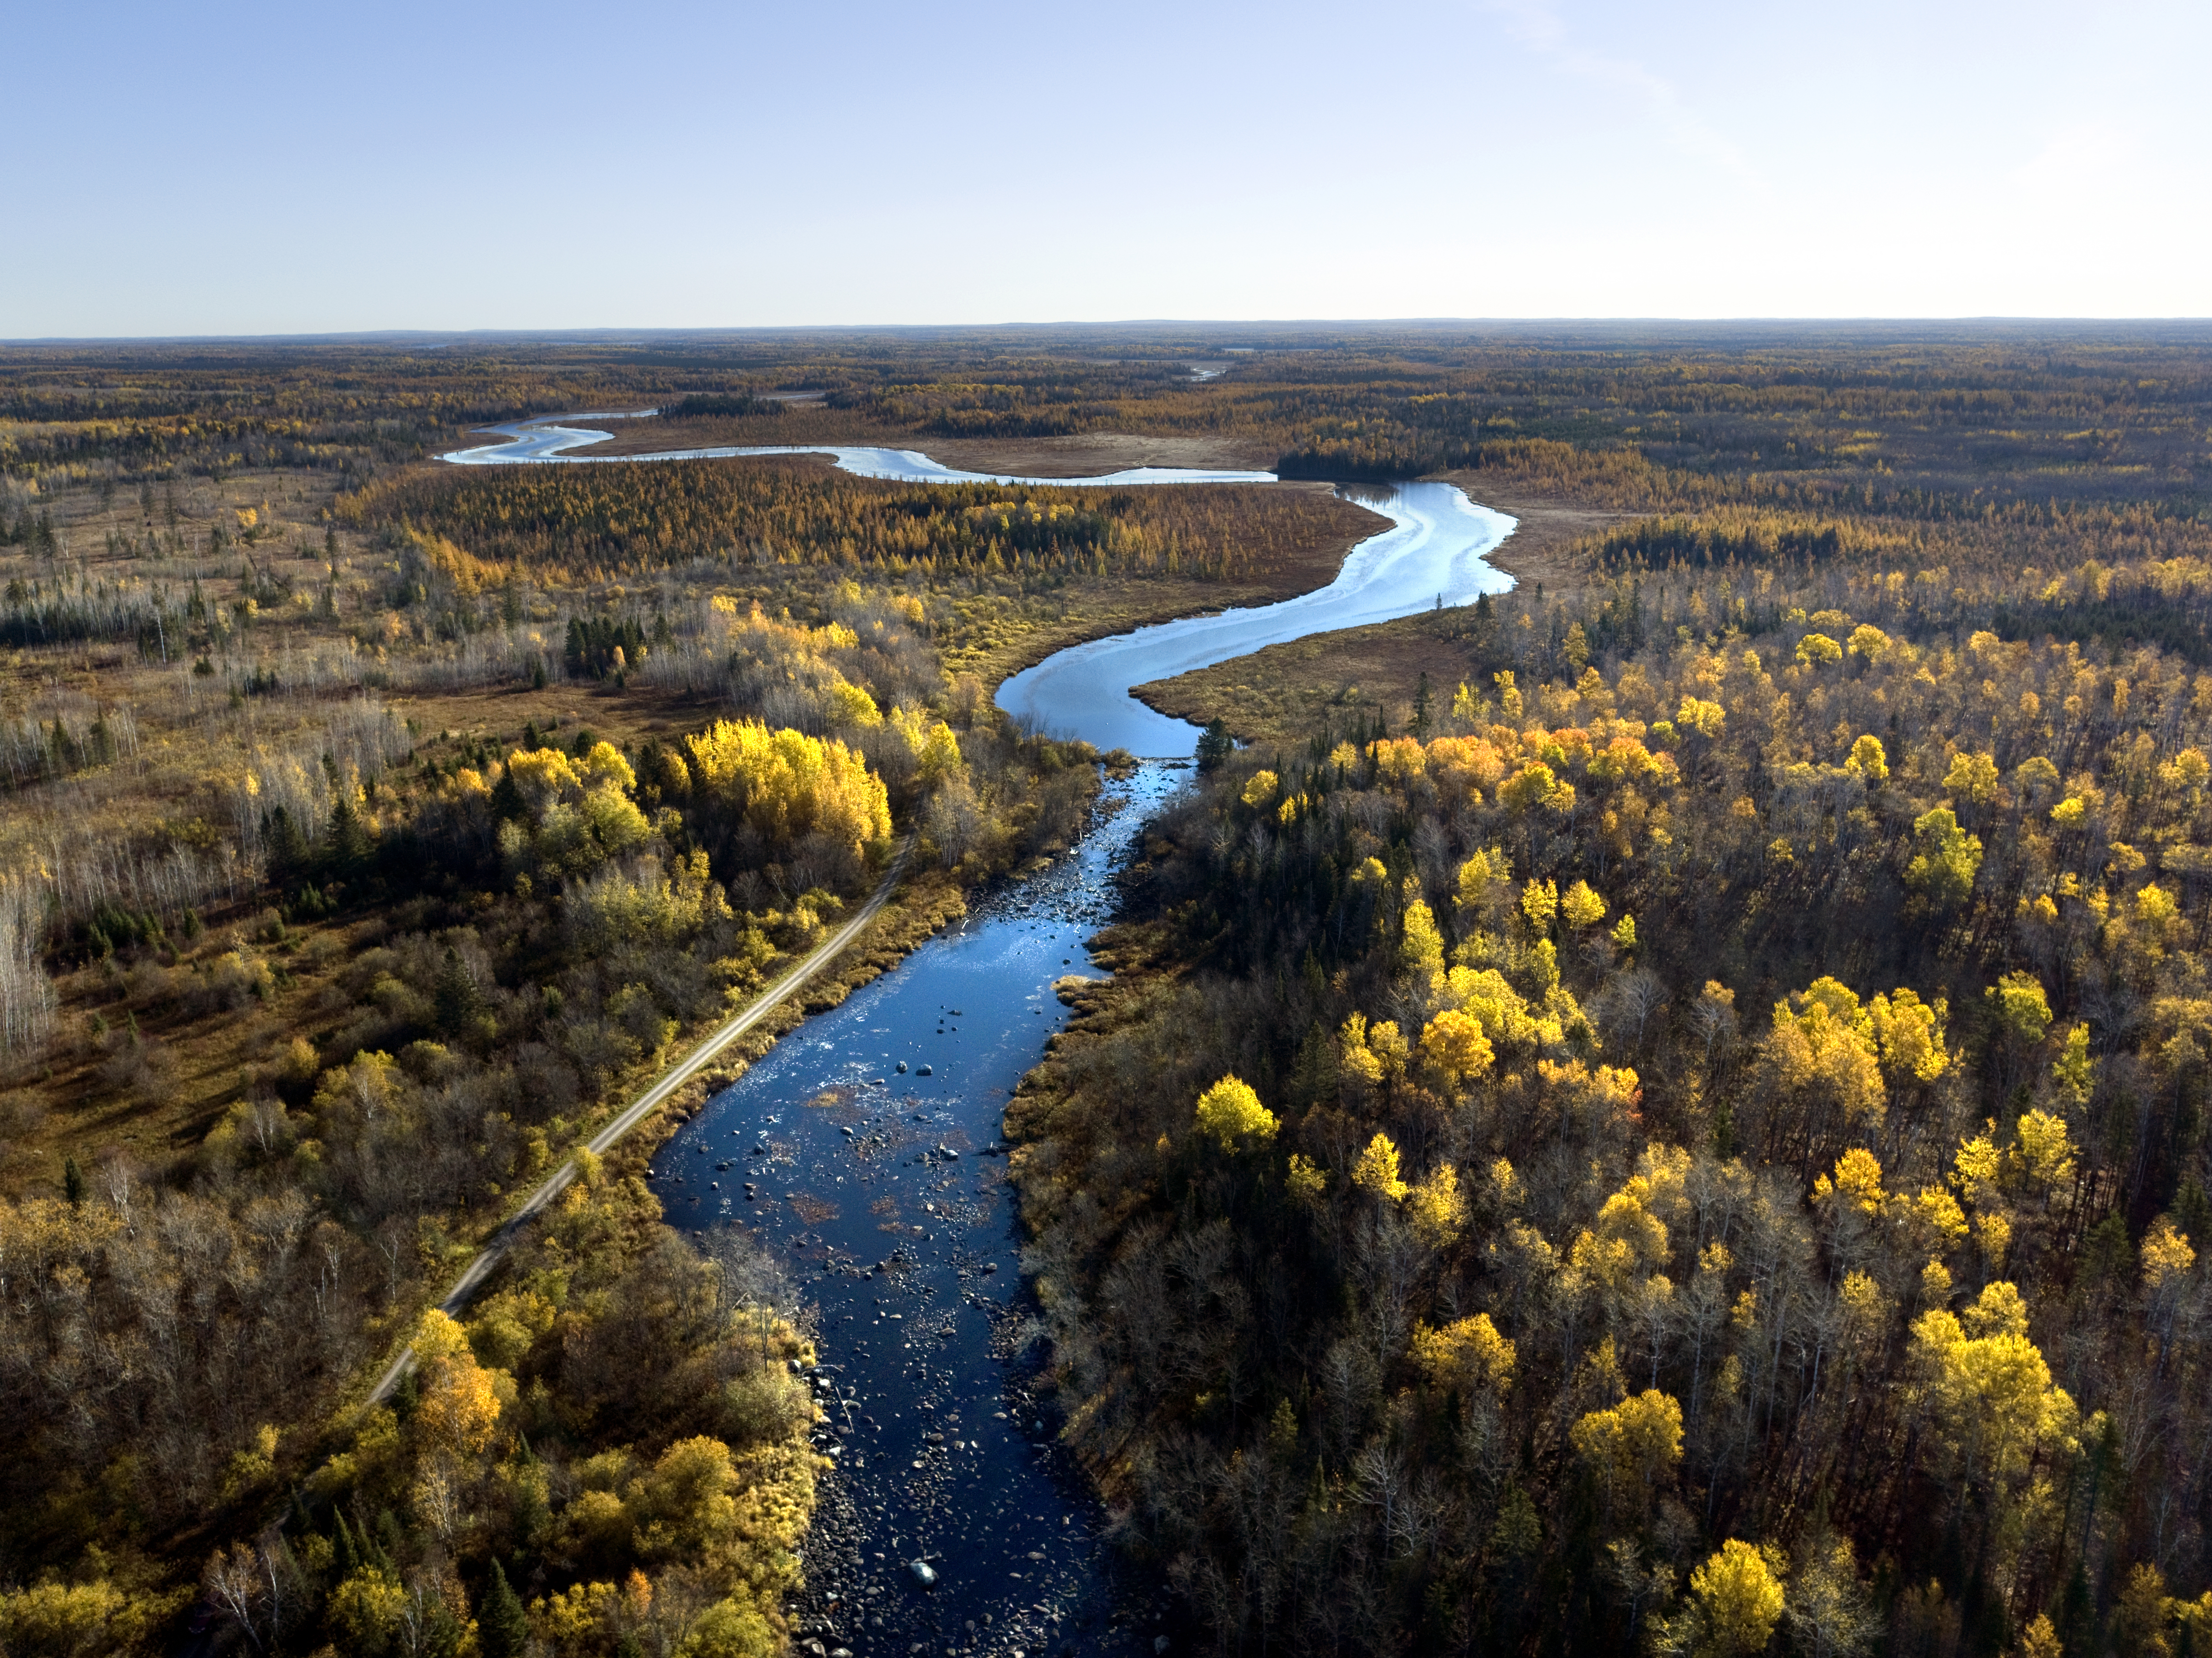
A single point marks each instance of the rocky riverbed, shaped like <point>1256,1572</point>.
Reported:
<point>864,1151</point>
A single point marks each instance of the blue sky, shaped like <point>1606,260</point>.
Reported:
<point>238,168</point>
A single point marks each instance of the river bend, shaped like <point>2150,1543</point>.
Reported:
<point>1435,552</point>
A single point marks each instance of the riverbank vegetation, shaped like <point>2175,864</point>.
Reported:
<point>611,521</point>
<point>2107,580</point>
<point>354,881</point>
<point>459,975</point>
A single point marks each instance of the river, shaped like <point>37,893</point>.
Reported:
<point>863,1151</point>
<point>1435,552</point>
<point>885,1189</point>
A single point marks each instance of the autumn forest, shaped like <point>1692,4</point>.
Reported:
<point>1668,1109</point>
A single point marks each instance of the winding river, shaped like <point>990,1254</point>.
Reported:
<point>864,1151</point>
<point>1434,553</point>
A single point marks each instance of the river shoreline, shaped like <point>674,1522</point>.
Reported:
<point>1436,546</point>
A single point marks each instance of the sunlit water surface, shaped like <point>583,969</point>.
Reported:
<point>1435,553</point>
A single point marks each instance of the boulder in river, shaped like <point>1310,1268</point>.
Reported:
<point>924,1573</point>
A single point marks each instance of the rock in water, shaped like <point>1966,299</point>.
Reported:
<point>924,1573</point>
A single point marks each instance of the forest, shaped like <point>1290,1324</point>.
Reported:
<point>1643,417</point>
<point>1683,1129</point>
<point>356,877</point>
<point>1712,1145</point>
<point>477,955</point>
<point>615,520</point>
<point>1689,1134</point>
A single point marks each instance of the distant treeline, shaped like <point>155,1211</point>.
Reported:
<point>1963,419</point>
<point>719,402</point>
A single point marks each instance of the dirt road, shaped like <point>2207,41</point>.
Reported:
<point>639,1109</point>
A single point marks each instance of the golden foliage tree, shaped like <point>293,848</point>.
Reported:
<point>1231,1114</point>
<point>787,784</point>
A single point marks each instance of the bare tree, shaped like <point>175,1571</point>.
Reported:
<point>1633,1581</point>
<point>1714,1014</point>
<point>749,1284</point>
<point>28,1001</point>
<point>280,1580</point>
<point>1380,1475</point>
<point>234,1582</point>
<point>1637,995</point>
<point>119,1175</point>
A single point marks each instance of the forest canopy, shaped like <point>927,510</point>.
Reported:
<point>1707,1146</point>
<point>1671,1117</point>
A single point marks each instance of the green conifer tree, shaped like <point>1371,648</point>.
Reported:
<point>455,996</point>
<point>502,1630</point>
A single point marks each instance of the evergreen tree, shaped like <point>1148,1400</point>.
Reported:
<point>346,840</point>
<point>1214,746</point>
<point>344,1553</point>
<point>73,1182</point>
<point>506,802</point>
<point>502,1630</point>
<point>457,999</point>
<point>288,848</point>
<point>1314,1075</point>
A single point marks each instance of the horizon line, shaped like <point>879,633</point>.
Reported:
<point>600,334</point>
